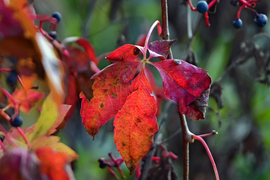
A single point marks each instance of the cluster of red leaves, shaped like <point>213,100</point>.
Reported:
<point>116,92</point>
<point>34,153</point>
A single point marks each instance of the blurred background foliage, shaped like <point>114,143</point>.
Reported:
<point>237,61</point>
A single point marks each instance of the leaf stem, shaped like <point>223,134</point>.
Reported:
<point>209,154</point>
<point>20,81</point>
<point>3,146</point>
<point>23,136</point>
<point>156,23</point>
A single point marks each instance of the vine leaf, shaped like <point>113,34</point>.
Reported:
<point>184,83</point>
<point>161,47</point>
<point>110,90</point>
<point>47,118</point>
<point>54,144</point>
<point>127,52</point>
<point>28,98</point>
<point>52,163</point>
<point>19,163</point>
<point>135,124</point>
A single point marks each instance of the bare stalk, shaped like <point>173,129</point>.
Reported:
<point>187,135</point>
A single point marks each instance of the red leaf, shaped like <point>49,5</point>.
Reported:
<point>27,98</point>
<point>111,88</point>
<point>71,98</point>
<point>159,93</point>
<point>9,26</point>
<point>52,163</point>
<point>161,47</point>
<point>183,83</point>
<point>80,66</point>
<point>135,124</point>
<point>19,164</point>
<point>127,52</point>
<point>88,49</point>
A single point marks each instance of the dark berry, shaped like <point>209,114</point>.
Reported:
<point>12,78</point>
<point>237,23</point>
<point>102,163</point>
<point>16,122</point>
<point>57,16</point>
<point>2,138</point>
<point>261,20</point>
<point>234,2</point>
<point>202,6</point>
<point>53,34</point>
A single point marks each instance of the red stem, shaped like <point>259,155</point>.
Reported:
<point>155,159</point>
<point>209,134</point>
<point>8,137</point>
<point>10,96</point>
<point>239,11</point>
<point>211,3</point>
<point>3,146</point>
<point>138,171</point>
<point>156,23</point>
<point>191,6</point>
<point>23,136</point>
<point>5,70</point>
<point>206,18</point>
<point>20,81</point>
<point>209,154</point>
<point>245,3</point>
<point>4,115</point>
<point>113,173</point>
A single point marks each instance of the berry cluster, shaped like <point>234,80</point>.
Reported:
<point>103,163</point>
<point>203,7</point>
<point>260,19</point>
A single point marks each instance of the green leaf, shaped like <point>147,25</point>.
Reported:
<point>47,118</point>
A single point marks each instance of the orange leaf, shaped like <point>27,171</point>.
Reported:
<point>52,163</point>
<point>111,88</point>
<point>136,123</point>
<point>27,98</point>
<point>54,144</point>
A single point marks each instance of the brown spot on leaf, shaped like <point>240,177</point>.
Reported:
<point>136,51</point>
<point>124,144</point>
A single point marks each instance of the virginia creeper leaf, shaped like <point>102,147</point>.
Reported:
<point>135,124</point>
<point>111,88</point>
<point>52,163</point>
<point>19,164</point>
<point>62,113</point>
<point>9,26</point>
<point>80,65</point>
<point>127,52</point>
<point>47,118</point>
<point>89,49</point>
<point>29,131</point>
<point>158,92</point>
<point>28,98</point>
<point>197,108</point>
<point>161,47</point>
<point>183,83</point>
<point>54,144</point>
